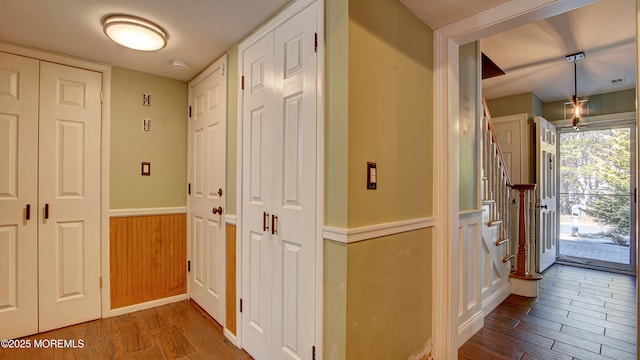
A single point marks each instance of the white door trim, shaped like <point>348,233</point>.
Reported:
<point>447,40</point>
<point>105,70</point>
<point>285,14</point>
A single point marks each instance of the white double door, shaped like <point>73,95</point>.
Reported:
<point>50,121</point>
<point>207,176</point>
<point>279,167</point>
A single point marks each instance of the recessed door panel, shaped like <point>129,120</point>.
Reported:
<point>70,158</point>
<point>70,272</point>
<point>9,268</point>
<point>8,156</point>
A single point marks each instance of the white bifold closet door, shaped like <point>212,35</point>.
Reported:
<point>279,189</point>
<point>50,121</point>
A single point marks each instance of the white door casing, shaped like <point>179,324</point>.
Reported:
<point>546,171</point>
<point>69,196</point>
<point>279,198</point>
<point>19,91</point>
<point>207,176</point>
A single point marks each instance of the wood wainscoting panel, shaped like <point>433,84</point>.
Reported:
<point>148,258</point>
<point>231,278</point>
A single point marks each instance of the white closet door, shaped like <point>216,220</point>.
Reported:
<point>18,189</point>
<point>207,178</point>
<point>279,188</point>
<point>257,193</point>
<point>69,182</point>
<point>294,143</point>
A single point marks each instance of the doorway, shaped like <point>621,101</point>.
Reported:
<point>597,197</point>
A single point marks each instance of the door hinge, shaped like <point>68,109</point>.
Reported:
<point>240,305</point>
<point>188,265</point>
<point>242,82</point>
<point>189,189</point>
<point>313,352</point>
<point>100,282</point>
<point>315,46</point>
<point>223,68</point>
<point>189,111</point>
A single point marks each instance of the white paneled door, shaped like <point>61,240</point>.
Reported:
<point>207,176</point>
<point>546,177</point>
<point>19,91</point>
<point>279,189</point>
<point>50,195</point>
<point>69,195</point>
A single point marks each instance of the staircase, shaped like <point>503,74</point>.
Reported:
<point>508,215</point>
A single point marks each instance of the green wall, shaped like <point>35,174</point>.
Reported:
<point>379,108</point>
<point>469,119</point>
<point>602,104</point>
<point>515,104</point>
<point>165,146</point>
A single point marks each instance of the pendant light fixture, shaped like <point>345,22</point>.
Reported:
<point>134,32</point>
<point>576,104</point>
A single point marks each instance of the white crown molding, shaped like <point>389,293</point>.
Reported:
<point>348,236</point>
<point>147,211</point>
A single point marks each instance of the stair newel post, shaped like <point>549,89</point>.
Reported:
<point>532,233</point>
<point>522,241</point>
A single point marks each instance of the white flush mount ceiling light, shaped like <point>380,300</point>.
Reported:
<point>134,32</point>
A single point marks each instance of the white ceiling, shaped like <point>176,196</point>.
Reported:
<point>202,30</point>
<point>533,56</point>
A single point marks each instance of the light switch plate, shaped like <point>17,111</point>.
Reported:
<point>146,99</point>
<point>145,169</point>
<point>372,176</point>
<point>146,125</point>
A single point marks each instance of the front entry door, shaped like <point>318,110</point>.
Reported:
<point>546,177</point>
<point>279,165</point>
<point>207,176</point>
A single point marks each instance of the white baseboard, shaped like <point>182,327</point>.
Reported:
<point>496,298</point>
<point>470,327</point>
<point>147,305</point>
<point>229,335</point>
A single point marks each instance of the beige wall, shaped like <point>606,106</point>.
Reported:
<point>389,296</point>
<point>390,113</point>
<point>379,91</point>
<point>165,146</point>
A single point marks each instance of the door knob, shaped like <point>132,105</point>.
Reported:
<point>217,210</point>
<point>219,191</point>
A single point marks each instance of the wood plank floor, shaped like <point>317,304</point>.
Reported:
<point>580,314</point>
<point>176,331</point>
